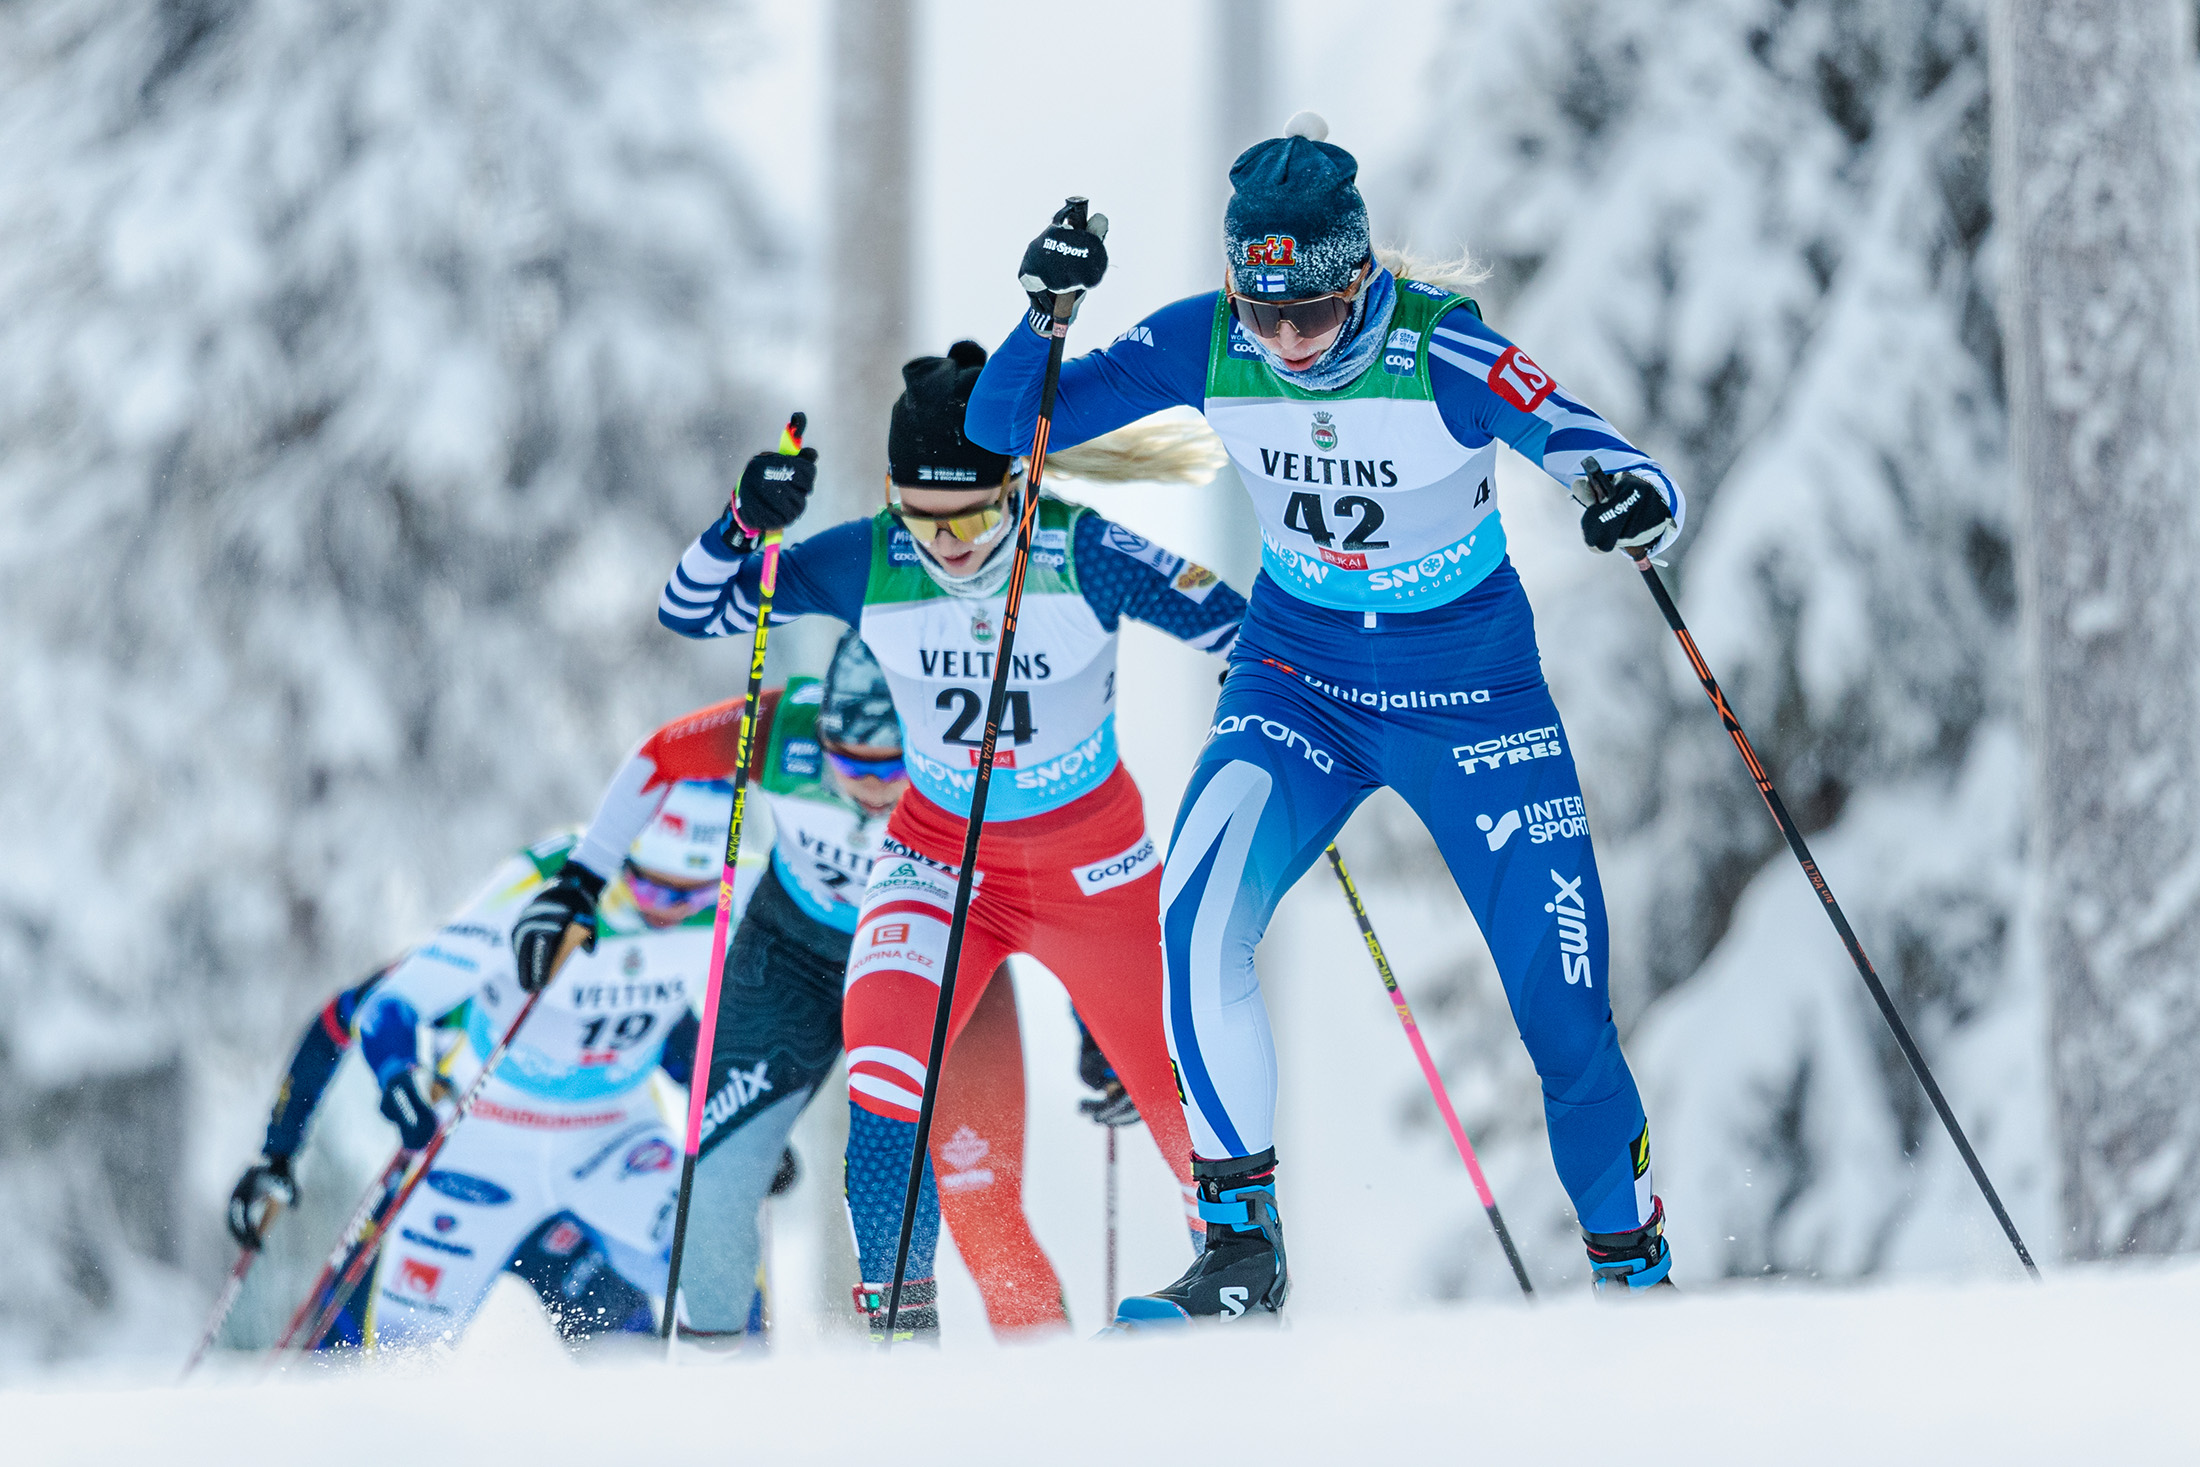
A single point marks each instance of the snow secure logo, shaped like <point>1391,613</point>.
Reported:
<point>1498,831</point>
<point>1573,929</point>
<point>1325,432</point>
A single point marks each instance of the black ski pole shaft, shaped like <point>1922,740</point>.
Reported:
<point>790,442</point>
<point>1429,1072</point>
<point>232,1287</point>
<point>1834,914</point>
<point>1107,1293</point>
<point>995,708</point>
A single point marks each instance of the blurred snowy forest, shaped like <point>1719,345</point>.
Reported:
<point>368,361</point>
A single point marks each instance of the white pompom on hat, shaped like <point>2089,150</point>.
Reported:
<point>1309,125</point>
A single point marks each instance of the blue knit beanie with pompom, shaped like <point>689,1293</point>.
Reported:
<point>1296,225</point>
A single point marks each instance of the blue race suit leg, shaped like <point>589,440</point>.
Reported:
<point>1511,826</point>
<point>1450,709</point>
<point>1272,788</point>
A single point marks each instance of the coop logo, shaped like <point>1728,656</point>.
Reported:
<point>1276,249</point>
<point>1118,870</point>
<point>1573,929</point>
<point>1513,748</point>
<point>1401,353</point>
<point>1281,733</point>
<point>1325,432</point>
<point>1544,820</point>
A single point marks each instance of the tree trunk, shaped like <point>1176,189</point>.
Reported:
<point>869,281</point>
<point>2094,196</point>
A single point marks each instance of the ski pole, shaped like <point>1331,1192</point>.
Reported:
<point>995,708</point>
<point>790,443</point>
<point>1603,486</point>
<point>1428,1072</point>
<point>1107,1293</point>
<point>370,1241</point>
<point>232,1287</point>
<point>371,1204</point>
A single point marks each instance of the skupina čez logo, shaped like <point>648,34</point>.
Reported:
<point>1325,432</point>
<point>981,626</point>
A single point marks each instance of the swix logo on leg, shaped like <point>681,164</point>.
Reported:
<point>1573,929</point>
<point>728,1100</point>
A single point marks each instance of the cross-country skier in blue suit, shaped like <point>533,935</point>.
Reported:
<point>1388,642</point>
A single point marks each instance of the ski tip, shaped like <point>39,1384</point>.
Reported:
<point>1140,1312</point>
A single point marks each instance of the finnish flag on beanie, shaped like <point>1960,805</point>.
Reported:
<point>1296,225</point>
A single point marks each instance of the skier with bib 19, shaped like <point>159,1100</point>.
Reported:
<point>1388,642</point>
<point>1066,869</point>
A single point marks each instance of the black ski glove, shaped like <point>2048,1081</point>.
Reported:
<point>774,490</point>
<point>1623,513</point>
<point>409,1110</point>
<point>540,930</point>
<point>1068,257</point>
<point>265,1186</point>
<point>1112,1106</point>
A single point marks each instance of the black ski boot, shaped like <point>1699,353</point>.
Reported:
<point>1242,1271</point>
<point>1620,1263</point>
<point>918,1319</point>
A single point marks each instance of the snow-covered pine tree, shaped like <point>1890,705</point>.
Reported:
<point>2093,100</point>
<point>367,362</point>
<point>1754,233</point>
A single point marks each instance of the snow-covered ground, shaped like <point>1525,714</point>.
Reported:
<point>2094,1367</point>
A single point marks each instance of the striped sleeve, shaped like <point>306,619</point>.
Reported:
<point>713,591</point>
<point>1122,574</point>
<point>1486,388</point>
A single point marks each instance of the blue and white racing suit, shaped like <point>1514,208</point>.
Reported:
<point>1388,642</point>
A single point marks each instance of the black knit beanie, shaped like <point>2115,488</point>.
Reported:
<point>925,446</point>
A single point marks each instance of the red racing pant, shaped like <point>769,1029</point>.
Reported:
<point>1078,889</point>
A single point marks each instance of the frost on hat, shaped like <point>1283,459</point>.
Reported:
<point>1296,225</point>
<point>925,446</point>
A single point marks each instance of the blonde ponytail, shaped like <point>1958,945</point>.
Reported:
<point>1155,451</point>
<point>1457,275</point>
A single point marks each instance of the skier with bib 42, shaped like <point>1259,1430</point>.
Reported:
<point>1066,870</point>
<point>1388,642</point>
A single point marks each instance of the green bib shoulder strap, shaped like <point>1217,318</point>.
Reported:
<point>1420,306</point>
<point>793,758</point>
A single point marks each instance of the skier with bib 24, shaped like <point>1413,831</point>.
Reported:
<point>1388,642</point>
<point>1066,869</point>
